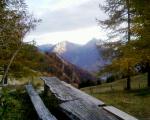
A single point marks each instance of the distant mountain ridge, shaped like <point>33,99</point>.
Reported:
<point>85,56</point>
<point>45,47</point>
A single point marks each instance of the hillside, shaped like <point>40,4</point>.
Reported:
<point>135,102</point>
<point>54,65</point>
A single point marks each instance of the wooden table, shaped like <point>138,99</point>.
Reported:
<point>76,104</point>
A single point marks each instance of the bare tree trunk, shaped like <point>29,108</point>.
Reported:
<point>9,64</point>
<point>6,78</point>
<point>148,74</point>
<point>129,21</point>
<point>129,38</point>
<point>148,78</point>
<point>128,82</point>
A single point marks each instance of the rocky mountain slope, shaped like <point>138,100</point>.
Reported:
<point>55,65</point>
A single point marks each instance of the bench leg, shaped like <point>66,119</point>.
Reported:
<point>45,89</point>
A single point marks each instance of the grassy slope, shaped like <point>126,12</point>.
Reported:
<point>16,105</point>
<point>135,102</point>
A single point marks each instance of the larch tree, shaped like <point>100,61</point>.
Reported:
<point>141,29</point>
<point>119,22</point>
<point>15,22</point>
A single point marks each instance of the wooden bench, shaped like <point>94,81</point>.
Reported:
<point>76,104</point>
<point>122,115</point>
<point>80,106</point>
<point>39,106</point>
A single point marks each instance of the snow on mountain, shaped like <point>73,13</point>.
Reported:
<point>85,56</point>
<point>64,47</point>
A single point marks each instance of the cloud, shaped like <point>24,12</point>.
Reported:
<point>70,18</point>
<point>79,36</point>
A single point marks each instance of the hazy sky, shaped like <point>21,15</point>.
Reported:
<point>66,20</point>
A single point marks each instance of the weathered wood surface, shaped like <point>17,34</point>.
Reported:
<point>119,113</point>
<point>39,106</point>
<point>82,110</point>
<point>76,104</point>
<point>83,95</point>
<point>66,92</point>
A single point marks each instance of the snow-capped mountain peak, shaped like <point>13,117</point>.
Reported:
<point>64,46</point>
<point>60,47</point>
<point>85,56</point>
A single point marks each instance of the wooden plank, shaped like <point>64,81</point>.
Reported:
<point>39,106</point>
<point>82,95</point>
<point>76,104</point>
<point>82,110</point>
<point>61,92</point>
<point>66,92</point>
<point>119,113</point>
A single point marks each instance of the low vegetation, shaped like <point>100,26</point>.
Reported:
<point>135,102</point>
<point>16,105</point>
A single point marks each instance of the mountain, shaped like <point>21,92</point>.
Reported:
<point>65,47</point>
<point>55,65</point>
<point>85,56</point>
<point>45,47</point>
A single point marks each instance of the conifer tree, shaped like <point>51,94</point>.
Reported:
<point>141,29</point>
<point>136,49</point>
<point>15,22</point>
<point>119,22</point>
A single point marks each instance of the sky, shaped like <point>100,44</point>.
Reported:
<point>66,20</point>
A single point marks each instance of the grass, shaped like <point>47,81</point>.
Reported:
<point>35,80</point>
<point>16,105</point>
<point>135,102</point>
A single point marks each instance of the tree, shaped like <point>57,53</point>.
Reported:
<point>119,22</point>
<point>121,58</point>
<point>15,23</point>
<point>141,29</point>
